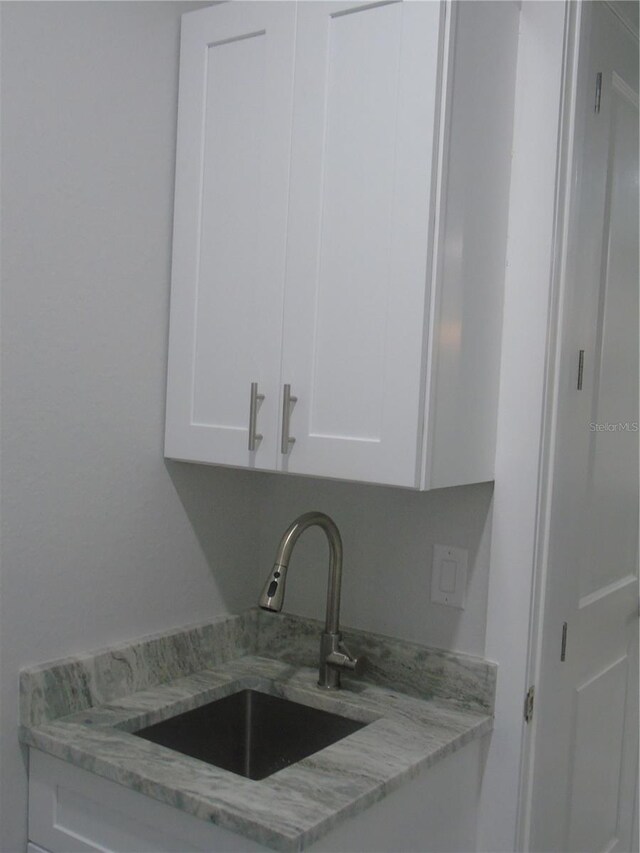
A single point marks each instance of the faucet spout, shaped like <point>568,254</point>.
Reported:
<point>334,656</point>
<point>272,597</point>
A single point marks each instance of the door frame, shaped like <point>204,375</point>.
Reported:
<point>564,220</point>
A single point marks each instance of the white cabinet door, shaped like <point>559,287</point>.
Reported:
<point>232,174</point>
<point>358,256</point>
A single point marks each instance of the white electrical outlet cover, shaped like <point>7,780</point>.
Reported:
<point>449,575</point>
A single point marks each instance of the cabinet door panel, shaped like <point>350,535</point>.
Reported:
<point>356,290</point>
<point>234,123</point>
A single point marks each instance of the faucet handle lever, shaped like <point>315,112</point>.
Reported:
<point>342,659</point>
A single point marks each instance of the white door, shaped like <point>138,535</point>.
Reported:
<point>234,133</point>
<point>359,223</point>
<point>586,708</point>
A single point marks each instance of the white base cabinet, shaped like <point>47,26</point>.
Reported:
<point>342,183</point>
<point>74,811</point>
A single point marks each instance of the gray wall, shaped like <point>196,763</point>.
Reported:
<point>100,540</point>
<point>388,537</point>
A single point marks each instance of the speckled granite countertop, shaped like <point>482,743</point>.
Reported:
<point>420,705</point>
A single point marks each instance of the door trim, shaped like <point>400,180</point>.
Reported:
<point>564,220</point>
<point>561,230</point>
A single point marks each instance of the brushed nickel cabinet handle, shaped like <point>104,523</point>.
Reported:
<point>254,437</point>
<point>288,401</point>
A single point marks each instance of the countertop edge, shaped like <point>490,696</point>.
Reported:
<point>45,742</point>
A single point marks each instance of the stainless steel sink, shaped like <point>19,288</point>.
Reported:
<point>251,733</point>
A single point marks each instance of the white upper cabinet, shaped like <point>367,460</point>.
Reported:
<point>340,228</point>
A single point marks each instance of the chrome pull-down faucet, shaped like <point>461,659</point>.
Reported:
<point>334,656</point>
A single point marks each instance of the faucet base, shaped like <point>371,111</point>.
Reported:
<point>329,675</point>
<point>335,658</point>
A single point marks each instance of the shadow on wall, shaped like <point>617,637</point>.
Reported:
<point>388,536</point>
<point>223,506</point>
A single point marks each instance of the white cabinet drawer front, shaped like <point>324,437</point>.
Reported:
<point>356,292</point>
<point>230,230</point>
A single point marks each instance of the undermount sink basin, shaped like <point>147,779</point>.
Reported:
<point>251,733</point>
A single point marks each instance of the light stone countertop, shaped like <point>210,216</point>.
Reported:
<point>447,702</point>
